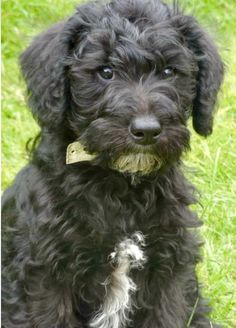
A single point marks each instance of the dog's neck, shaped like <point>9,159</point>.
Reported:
<point>51,154</point>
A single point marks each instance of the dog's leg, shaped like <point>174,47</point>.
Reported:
<point>117,305</point>
<point>50,307</point>
<point>199,318</point>
<point>170,303</point>
<point>199,315</point>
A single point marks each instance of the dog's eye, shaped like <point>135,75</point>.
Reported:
<point>106,72</point>
<point>168,71</point>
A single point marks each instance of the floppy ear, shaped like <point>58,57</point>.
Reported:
<point>44,66</point>
<point>210,72</point>
<point>43,69</point>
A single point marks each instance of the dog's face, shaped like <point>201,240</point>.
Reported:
<point>132,89</point>
<point>134,72</point>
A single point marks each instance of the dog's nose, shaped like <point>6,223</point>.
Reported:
<point>145,130</point>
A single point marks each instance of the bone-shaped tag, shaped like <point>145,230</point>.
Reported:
<point>75,153</point>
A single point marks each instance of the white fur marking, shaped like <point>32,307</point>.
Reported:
<point>113,313</point>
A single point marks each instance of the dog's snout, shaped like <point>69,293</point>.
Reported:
<point>145,129</point>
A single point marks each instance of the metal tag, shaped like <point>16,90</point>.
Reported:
<point>75,153</point>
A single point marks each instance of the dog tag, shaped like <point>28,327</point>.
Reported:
<point>75,153</point>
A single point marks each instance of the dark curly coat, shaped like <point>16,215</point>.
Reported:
<point>69,229</point>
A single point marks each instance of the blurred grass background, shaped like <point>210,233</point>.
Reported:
<point>212,160</point>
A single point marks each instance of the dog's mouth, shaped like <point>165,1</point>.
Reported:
<point>141,161</point>
<point>137,159</point>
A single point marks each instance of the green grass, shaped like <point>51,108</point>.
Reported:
<point>212,160</point>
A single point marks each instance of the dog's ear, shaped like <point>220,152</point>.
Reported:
<point>43,69</point>
<point>210,73</point>
<point>44,66</point>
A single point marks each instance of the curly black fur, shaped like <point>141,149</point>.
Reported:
<point>61,221</point>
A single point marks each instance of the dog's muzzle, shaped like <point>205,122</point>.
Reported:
<point>140,163</point>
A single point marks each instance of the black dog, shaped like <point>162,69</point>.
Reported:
<point>106,241</point>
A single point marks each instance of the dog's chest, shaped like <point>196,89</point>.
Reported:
<point>108,260</point>
<point>116,206</point>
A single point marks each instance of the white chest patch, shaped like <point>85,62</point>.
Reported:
<point>114,312</point>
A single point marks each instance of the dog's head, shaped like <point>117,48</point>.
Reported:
<point>124,78</point>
